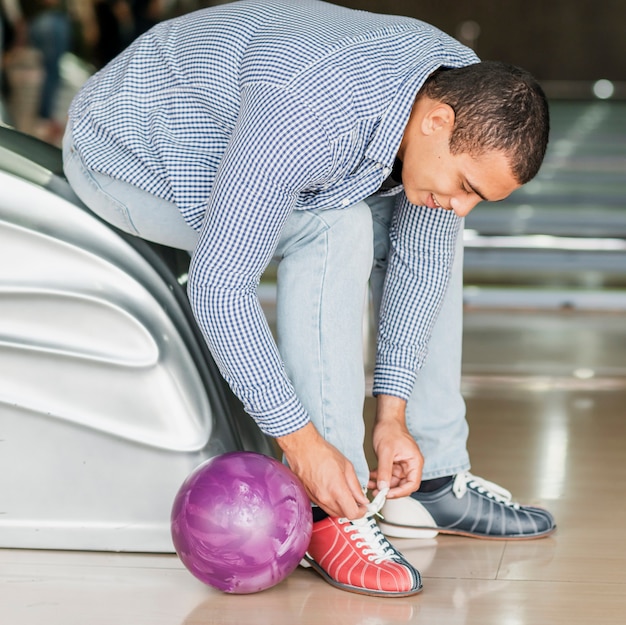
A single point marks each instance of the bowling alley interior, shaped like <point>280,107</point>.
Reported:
<point>543,379</point>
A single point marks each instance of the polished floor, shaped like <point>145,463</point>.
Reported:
<point>545,423</point>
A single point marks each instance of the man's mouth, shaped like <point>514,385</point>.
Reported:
<point>432,202</point>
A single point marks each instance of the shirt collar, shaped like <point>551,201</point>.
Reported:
<point>386,140</point>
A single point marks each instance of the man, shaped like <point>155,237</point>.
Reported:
<point>323,137</point>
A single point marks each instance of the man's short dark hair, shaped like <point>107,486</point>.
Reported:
<point>497,106</point>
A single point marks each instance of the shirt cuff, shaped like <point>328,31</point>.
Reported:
<point>283,420</point>
<point>393,381</point>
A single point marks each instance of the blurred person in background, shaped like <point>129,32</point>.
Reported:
<point>22,70</point>
<point>49,31</point>
<point>115,29</point>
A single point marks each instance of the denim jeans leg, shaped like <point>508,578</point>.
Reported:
<point>126,206</point>
<point>325,258</point>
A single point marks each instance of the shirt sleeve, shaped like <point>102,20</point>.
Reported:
<point>277,149</point>
<point>420,261</point>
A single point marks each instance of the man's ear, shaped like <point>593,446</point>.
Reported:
<point>438,116</point>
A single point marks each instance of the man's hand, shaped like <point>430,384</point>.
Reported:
<point>400,461</point>
<point>328,477</point>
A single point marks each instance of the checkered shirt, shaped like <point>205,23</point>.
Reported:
<point>244,112</point>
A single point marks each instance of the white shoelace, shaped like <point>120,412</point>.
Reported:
<point>366,533</point>
<point>485,487</point>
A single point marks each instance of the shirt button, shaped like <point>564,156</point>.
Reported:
<point>346,201</point>
<point>386,171</point>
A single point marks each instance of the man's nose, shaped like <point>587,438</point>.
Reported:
<point>463,205</point>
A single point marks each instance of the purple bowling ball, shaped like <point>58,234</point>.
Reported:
<point>241,522</point>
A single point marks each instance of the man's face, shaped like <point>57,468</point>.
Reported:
<point>432,176</point>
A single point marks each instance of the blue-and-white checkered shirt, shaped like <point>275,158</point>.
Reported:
<point>244,112</point>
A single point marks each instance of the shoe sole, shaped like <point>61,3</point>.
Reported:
<point>308,562</point>
<point>402,531</point>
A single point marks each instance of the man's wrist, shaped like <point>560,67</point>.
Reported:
<point>300,439</point>
<point>390,408</point>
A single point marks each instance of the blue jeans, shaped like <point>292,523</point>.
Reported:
<point>125,206</point>
<point>325,262</point>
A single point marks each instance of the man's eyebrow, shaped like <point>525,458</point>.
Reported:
<point>476,191</point>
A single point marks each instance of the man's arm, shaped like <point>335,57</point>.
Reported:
<point>276,150</point>
<point>421,256</point>
<point>274,153</point>
<point>423,242</point>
